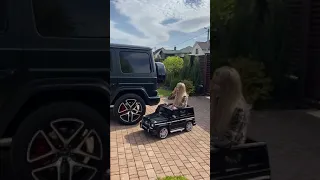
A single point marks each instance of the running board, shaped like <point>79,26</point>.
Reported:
<point>176,130</point>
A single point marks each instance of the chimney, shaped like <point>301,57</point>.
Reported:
<point>175,48</point>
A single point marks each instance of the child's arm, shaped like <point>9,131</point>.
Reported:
<point>172,95</point>
<point>184,101</point>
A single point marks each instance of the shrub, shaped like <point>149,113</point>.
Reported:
<point>189,86</point>
<point>173,68</point>
<point>173,178</point>
<point>256,85</point>
<point>185,71</point>
<point>173,64</point>
<point>195,73</point>
<point>174,82</point>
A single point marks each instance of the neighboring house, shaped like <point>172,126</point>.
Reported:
<point>156,54</point>
<point>201,48</point>
<point>161,54</point>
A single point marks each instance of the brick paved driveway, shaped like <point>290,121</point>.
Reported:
<point>137,155</point>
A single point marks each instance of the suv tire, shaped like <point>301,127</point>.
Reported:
<point>129,109</point>
<point>86,142</point>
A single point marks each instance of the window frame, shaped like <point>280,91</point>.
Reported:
<point>143,52</point>
<point>5,17</point>
<point>63,37</point>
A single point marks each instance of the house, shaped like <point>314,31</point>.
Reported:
<point>161,54</point>
<point>156,53</point>
<point>201,48</point>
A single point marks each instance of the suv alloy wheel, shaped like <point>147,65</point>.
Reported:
<point>64,140</point>
<point>129,109</point>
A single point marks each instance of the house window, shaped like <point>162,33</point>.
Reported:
<point>197,51</point>
<point>71,18</point>
<point>133,62</point>
<point>3,17</point>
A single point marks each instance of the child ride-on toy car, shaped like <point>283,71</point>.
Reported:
<point>165,120</point>
<point>245,161</point>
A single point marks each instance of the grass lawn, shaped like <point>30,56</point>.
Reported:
<point>173,178</point>
<point>164,92</point>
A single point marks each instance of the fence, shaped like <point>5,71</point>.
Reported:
<point>205,69</point>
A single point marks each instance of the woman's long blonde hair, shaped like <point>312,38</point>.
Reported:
<point>181,93</point>
<point>230,97</point>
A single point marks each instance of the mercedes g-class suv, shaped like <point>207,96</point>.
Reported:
<point>54,88</point>
<point>133,78</point>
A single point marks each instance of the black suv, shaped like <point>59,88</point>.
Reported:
<point>133,78</point>
<point>54,88</point>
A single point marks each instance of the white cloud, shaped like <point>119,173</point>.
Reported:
<point>146,16</point>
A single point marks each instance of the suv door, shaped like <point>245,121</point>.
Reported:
<point>10,55</point>
<point>135,69</point>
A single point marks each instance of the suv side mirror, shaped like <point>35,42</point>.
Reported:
<point>161,72</point>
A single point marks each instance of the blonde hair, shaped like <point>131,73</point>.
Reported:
<point>181,93</point>
<point>230,98</point>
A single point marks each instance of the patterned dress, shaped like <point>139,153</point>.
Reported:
<point>236,134</point>
<point>183,103</point>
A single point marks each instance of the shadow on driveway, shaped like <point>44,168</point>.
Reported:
<point>293,142</point>
<point>142,137</point>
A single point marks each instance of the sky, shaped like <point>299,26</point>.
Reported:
<point>159,23</point>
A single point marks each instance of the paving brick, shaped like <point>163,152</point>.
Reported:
<point>137,155</point>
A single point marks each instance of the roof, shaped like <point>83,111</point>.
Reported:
<point>129,46</point>
<point>185,50</point>
<point>204,45</point>
<point>156,51</point>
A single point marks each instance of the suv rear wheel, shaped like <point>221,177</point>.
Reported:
<point>66,140</point>
<point>129,109</point>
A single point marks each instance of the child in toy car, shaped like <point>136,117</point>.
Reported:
<point>166,120</point>
<point>169,118</point>
<point>179,96</point>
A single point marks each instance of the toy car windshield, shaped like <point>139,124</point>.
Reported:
<point>164,111</point>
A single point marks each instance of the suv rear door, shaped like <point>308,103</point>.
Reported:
<point>135,69</point>
<point>10,52</point>
<point>66,38</point>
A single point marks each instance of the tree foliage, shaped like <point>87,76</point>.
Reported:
<point>173,64</point>
<point>257,29</point>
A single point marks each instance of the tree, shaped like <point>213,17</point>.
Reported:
<point>173,66</point>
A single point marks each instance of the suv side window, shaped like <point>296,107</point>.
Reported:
<point>3,17</point>
<point>71,18</point>
<point>135,62</point>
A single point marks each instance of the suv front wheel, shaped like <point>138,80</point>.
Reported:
<point>129,109</point>
<point>64,140</point>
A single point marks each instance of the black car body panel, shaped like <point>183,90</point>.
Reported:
<point>246,161</point>
<point>161,71</point>
<point>32,63</point>
<point>174,120</point>
<point>143,84</point>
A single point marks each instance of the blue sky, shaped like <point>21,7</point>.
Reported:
<point>159,23</point>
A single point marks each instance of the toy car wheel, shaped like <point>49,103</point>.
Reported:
<point>129,109</point>
<point>69,137</point>
<point>163,132</point>
<point>189,126</point>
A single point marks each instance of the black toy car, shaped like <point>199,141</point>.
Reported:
<point>165,120</point>
<point>245,161</point>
